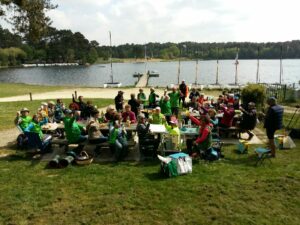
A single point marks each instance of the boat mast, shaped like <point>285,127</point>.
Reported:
<point>281,68</point>
<point>145,59</point>
<point>236,66</point>
<point>257,72</point>
<point>217,73</point>
<point>178,73</point>
<point>111,68</point>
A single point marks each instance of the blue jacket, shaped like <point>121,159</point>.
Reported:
<point>273,120</point>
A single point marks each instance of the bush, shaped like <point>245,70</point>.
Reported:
<point>254,93</point>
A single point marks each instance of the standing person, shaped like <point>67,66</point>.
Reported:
<point>134,103</point>
<point>273,122</point>
<point>152,98</point>
<point>165,106</point>
<point>119,101</point>
<point>141,97</point>
<point>174,100</point>
<point>183,92</point>
<point>23,119</point>
<point>248,121</point>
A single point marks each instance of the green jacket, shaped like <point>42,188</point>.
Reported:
<point>152,98</point>
<point>174,99</point>
<point>141,97</point>
<point>157,118</point>
<point>23,121</point>
<point>72,129</point>
<point>113,135</point>
<point>165,107</point>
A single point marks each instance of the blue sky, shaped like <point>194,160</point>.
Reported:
<point>141,21</point>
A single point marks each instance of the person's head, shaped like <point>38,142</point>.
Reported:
<point>205,120</point>
<point>69,113</point>
<point>44,105</point>
<point>251,105</point>
<point>89,103</point>
<point>212,113</point>
<point>132,96</point>
<point>58,101</point>
<point>141,118</point>
<point>174,89</point>
<point>183,81</point>
<point>173,121</point>
<point>229,105</point>
<point>201,95</point>
<point>193,90</point>
<point>110,110</point>
<point>24,112</point>
<point>271,101</point>
<point>35,118</point>
<point>141,90</point>
<point>152,90</point>
<point>166,98</point>
<point>80,98</point>
<point>127,108</point>
<point>157,110</point>
<point>51,104</point>
<point>95,113</point>
<point>120,92</point>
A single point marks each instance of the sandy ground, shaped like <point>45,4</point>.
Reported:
<point>85,92</point>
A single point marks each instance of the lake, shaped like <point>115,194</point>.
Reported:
<point>97,75</point>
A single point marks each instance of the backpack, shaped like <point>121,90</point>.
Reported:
<point>211,154</point>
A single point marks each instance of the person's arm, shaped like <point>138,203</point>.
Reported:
<point>204,135</point>
<point>132,117</point>
<point>44,121</point>
<point>29,128</point>
<point>195,120</point>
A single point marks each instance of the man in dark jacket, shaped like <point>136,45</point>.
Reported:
<point>273,122</point>
<point>248,120</point>
<point>134,103</point>
<point>183,91</point>
<point>119,101</point>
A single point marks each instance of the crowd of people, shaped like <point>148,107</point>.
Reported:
<point>173,109</point>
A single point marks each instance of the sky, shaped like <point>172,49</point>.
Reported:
<point>143,21</point>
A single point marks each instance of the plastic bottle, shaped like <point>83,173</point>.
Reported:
<point>189,123</point>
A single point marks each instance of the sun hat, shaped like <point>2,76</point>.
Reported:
<point>44,104</point>
<point>24,110</point>
<point>51,103</point>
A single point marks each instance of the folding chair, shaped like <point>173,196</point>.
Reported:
<point>262,155</point>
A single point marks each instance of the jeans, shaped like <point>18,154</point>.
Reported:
<point>120,148</point>
<point>99,140</point>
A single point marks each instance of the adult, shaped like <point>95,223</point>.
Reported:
<point>134,103</point>
<point>193,94</point>
<point>128,115</point>
<point>23,119</point>
<point>93,128</point>
<point>165,106</point>
<point>183,92</point>
<point>248,120</point>
<point>82,106</point>
<point>192,104</point>
<point>119,101</point>
<point>174,100</point>
<point>110,114</point>
<point>141,97</point>
<point>118,141</point>
<point>228,115</point>
<point>35,126</point>
<point>273,122</point>
<point>88,109</point>
<point>51,111</point>
<point>152,98</point>
<point>157,117</point>
<point>73,129</point>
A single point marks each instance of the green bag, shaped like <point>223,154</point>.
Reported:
<point>169,169</point>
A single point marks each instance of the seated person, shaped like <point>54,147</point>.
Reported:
<point>203,110</point>
<point>157,117</point>
<point>248,120</point>
<point>128,115</point>
<point>230,98</point>
<point>165,106</point>
<point>192,104</point>
<point>204,140</point>
<point>93,128</point>
<point>145,138</point>
<point>236,103</point>
<point>89,108</point>
<point>82,106</point>
<point>51,111</point>
<point>59,110</point>
<point>118,140</point>
<point>36,127</point>
<point>228,116</point>
<point>201,99</point>
<point>193,94</point>
<point>214,121</point>
<point>74,131</point>
<point>43,111</point>
<point>110,114</point>
<point>174,133</point>
<point>23,119</point>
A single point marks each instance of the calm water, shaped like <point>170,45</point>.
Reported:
<point>97,75</point>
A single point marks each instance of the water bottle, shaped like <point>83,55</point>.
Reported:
<point>189,123</point>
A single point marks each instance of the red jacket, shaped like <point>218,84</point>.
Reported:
<point>228,116</point>
<point>203,131</point>
<point>131,116</point>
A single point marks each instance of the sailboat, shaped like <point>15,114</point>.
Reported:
<point>112,83</point>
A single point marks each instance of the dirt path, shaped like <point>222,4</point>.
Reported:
<point>8,137</point>
<point>85,92</point>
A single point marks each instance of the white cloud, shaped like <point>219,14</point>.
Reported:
<point>140,21</point>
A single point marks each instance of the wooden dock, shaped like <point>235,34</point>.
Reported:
<point>143,81</point>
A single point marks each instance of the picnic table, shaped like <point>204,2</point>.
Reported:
<point>189,131</point>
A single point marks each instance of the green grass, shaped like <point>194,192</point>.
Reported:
<point>8,89</point>
<point>231,191</point>
<point>8,110</point>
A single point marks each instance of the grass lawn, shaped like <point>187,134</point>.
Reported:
<point>9,89</point>
<point>8,110</point>
<point>231,191</point>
